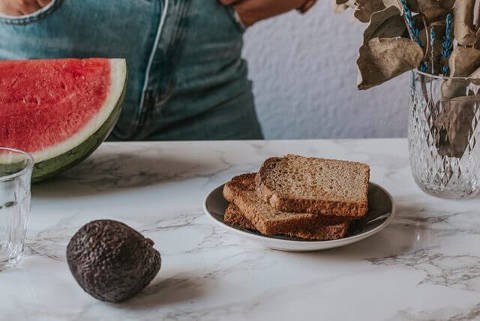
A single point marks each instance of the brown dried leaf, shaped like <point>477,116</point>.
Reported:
<point>447,4</point>
<point>475,77</point>
<point>412,4</point>
<point>434,9</point>
<point>464,29</point>
<point>382,59</point>
<point>453,125</point>
<point>395,3</point>
<point>387,23</point>
<point>477,41</point>
<point>365,9</point>
<point>463,62</point>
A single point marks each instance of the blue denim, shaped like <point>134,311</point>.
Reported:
<point>187,79</point>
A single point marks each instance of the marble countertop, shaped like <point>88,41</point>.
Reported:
<point>425,266</point>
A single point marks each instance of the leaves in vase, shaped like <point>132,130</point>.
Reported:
<point>382,59</point>
<point>365,9</point>
<point>464,29</point>
<point>387,23</point>
<point>475,77</point>
<point>463,62</point>
<point>453,125</point>
<point>412,4</point>
<point>434,9</point>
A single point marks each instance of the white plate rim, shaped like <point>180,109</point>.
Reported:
<point>324,244</point>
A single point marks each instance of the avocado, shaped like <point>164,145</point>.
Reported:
<point>111,261</point>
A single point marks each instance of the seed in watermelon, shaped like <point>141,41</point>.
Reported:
<point>59,110</point>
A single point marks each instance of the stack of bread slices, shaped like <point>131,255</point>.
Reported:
<point>299,197</point>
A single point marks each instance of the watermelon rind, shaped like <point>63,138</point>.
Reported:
<point>46,167</point>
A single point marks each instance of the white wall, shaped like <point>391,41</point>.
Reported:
<point>304,73</point>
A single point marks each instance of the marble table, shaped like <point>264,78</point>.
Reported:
<point>425,266</point>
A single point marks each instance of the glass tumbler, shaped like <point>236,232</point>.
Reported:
<point>15,179</point>
<point>443,133</point>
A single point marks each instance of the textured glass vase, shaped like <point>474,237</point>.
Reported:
<point>443,135</point>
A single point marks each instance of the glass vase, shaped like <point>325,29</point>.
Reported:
<point>443,134</point>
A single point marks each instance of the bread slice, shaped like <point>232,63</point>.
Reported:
<point>314,185</point>
<point>268,221</point>
<point>238,184</point>
<point>234,217</point>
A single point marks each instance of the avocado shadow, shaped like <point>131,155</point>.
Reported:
<point>165,292</point>
<point>119,172</point>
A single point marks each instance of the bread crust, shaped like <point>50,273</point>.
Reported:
<point>312,206</point>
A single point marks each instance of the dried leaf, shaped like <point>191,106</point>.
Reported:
<point>454,88</point>
<point>463,22</point>
<point>395,3</point>
<point>434,9</point>
<point>447,4</point>
<point>365,9</point>
<point>463,62</point>
<point>382,59</point>
<point>453,125</point>
<point>431,9</point>
<point>412,4</point>
<point>477,41</point>
<point>387,23</point>
<point>475,77</point>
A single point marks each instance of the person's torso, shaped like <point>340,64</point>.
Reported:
<point>183,56</point>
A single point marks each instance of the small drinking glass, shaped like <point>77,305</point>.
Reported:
<point>444,135</point>
<point>15,179</point>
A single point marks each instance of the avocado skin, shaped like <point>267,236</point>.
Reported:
<point>111,261</point>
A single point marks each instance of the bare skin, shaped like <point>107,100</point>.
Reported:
<point>252,11</point>
<point>21,7</point>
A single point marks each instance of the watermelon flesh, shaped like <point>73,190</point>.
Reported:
<point>59,110</point>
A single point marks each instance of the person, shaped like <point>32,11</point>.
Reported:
<point>187,79</point>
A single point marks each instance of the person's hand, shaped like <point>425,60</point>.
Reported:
<point>21,7</point>
<point>252,11</point>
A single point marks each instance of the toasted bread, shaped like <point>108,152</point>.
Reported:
<point>268,221</point>
<point>238,184</point>
<point>314,185</point>
<point>234,217</point>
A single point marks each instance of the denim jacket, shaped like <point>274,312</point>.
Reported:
<point>187,79</point>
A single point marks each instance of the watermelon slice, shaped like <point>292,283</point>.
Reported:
<point>59,110</point>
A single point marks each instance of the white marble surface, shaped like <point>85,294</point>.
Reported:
<point>425,266</point>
